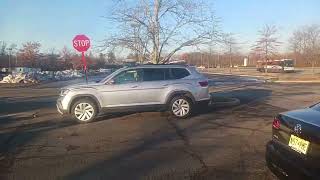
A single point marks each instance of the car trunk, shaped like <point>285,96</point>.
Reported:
<point>299,133</point>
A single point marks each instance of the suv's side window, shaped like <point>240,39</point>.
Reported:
<point>179,73</point>
<point>155,74</point>
<point>128,76</point>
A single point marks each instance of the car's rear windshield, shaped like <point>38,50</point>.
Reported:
<point>316,106</point>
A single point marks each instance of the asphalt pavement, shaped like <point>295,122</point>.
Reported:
<point>216,143</point>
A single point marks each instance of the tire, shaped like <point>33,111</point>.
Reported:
<point>181,107</point>
<point>274,170</point>
<point>84,110</point>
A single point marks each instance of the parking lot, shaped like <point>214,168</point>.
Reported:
<point>223,142</point>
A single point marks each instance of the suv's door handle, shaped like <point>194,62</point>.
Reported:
<point>134,86</point>
<point>165,85</point>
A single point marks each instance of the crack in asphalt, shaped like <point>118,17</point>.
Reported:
<point>7,157</point>
<point>188,150</point>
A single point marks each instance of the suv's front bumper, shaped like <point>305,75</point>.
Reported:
<point>60,108</point>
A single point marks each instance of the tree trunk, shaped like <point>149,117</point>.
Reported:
<point>313,67</point>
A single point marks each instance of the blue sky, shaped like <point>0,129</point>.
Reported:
<point>54,23</point>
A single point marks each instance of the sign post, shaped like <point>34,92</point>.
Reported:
<point>82,43</point>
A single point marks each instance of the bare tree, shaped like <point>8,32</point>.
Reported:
<point>65,54</point>
<point>101,60</point>
<point>13,52</point>
<point>111,58</point>
<point>230,44</point>
<point>306,42</point>
<point>30,52</point>
<point>156,29</point>
<point>3,47</point>
<point>267,43</point>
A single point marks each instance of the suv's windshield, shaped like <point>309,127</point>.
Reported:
<point>111,75</point>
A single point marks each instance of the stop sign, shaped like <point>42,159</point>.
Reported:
<point>81,43</point>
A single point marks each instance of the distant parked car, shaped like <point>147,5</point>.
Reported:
<point>104,70</point>
<point>294,151</point>
<point>177,88</point>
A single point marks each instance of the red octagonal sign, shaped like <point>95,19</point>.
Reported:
<point>81,43</point>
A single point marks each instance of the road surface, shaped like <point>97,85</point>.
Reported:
<point>219,143</point>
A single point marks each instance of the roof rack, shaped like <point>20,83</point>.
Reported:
<point>162,64</point>
<point>149,65</point>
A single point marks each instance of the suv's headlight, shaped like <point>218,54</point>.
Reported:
<point>64,92</point>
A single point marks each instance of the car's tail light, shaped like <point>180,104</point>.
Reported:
<point>203,83</point>
<point>276,123</point>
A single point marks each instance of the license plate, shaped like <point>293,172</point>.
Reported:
<point>298,144</point>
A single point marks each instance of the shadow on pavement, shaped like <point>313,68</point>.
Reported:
<point>245,96</point>
<point>12,138</point>
<point>9,105</point>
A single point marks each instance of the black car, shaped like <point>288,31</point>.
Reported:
<point>294,151</point>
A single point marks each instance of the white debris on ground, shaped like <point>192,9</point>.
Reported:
<point>36,77</point>
<point>18,78</point>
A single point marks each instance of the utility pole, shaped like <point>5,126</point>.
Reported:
<point>266,57</point>
<point>10,51</point>
<point>219,60</point>
<point>210,57</point>
<point>230,56</point>
<point>229,44</point>
<point>209,60</point>
<point>16,60</point>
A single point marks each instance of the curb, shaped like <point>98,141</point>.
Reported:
<point>18,115</point>
<point>283,81</point>
<point>242,75</point>
<point>230,102</point>
<point>267,79</point>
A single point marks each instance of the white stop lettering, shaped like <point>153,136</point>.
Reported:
<point>81,43</point>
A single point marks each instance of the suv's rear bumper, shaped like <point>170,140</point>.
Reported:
<point>282,163</point>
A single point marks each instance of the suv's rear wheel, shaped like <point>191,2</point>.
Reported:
<point>181,107</point>
<point>84,110</point>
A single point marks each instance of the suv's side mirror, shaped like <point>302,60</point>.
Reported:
<point>110,82</point>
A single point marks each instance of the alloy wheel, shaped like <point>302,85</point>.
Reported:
<point>84,111</point>
<point>180,107</point>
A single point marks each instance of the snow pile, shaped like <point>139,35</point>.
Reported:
<point>19,78</point>
<point>35,77</point>
<point>67,74</point>
<point>201,67</point>
<point>58,75</point>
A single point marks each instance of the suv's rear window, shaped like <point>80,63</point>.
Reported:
<point>179,73</point>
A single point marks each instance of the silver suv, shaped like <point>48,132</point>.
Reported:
<point>177,88</point>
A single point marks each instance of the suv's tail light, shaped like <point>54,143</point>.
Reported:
<point>203,83</point>
<point>276,123</point>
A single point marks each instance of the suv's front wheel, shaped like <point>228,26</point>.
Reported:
<point>84,110</point>
<point>181,107</point>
